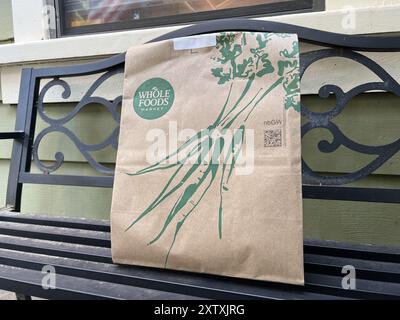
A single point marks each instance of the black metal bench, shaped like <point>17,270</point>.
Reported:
<point>79,249</point>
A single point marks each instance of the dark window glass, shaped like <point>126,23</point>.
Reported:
<point>85,16</point>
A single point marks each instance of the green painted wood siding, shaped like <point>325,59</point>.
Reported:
<point>6,27</point>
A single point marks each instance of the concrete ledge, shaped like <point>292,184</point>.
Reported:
<point>4,295</point>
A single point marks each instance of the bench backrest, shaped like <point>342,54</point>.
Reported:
<point>315,186</point>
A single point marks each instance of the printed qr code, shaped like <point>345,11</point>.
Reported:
<point>273,138</point>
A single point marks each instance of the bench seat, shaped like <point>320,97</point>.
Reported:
<point>79,250</point>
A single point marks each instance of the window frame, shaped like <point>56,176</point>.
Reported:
<point>269,9</point>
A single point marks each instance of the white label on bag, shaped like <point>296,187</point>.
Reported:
<point>195,42</point>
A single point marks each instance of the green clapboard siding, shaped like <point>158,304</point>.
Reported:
<point>348,221</point>
<point>62,200</point>
<point>6,27</point>
<point>370,119</point>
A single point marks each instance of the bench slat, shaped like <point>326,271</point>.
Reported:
<point>104,226</point>
<point>357,251</point>
<point>366,289</point>
<point>367,269</point>
<point>86,254</point>
<point>54,221</point>
<point>85,237</point>
<point>378,195</point>
<point>158,279</point>
<point>313,245</point>
<point>67,287</point>
<point>60,249</point>
<point>162,275</point>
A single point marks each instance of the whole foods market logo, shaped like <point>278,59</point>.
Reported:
<point>153,98</point>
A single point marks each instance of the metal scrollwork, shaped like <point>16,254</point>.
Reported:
<point>315,120</point>
<point>58,125</point>
<point>324,120</point>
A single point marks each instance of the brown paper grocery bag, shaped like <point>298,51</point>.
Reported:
<point>208,169</point>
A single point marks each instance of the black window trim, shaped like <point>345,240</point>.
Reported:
<point>297,6</point>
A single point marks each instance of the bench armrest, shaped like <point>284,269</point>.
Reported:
<point>17,135</point>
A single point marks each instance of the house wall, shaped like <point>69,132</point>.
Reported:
<point>371,118</point>
<point>6,24</point>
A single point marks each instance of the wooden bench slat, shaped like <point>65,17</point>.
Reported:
<point>55,221</point>
<point>382,270</point>
<point>127,272</point>
<point>366,269</point>
<point>67,287</point>
<point>171,281</point>
<point>60,249</point>
<point>86,254</point>
<point>321,247</point>
<point>85,237</point>
<point>105,224</point>
<point>356,251</point>
<point>366,289</point>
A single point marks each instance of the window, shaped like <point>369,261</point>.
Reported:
<point>88,16</point>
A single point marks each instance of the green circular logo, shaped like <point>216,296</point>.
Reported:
<point>153,98</point>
